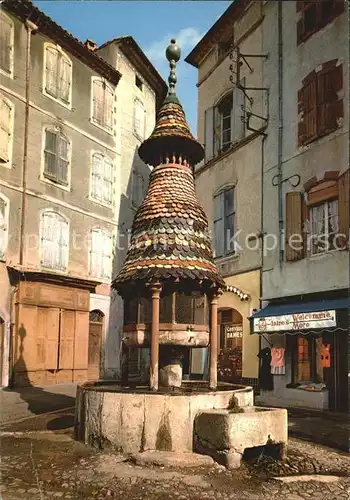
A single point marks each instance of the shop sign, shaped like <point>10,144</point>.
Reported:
<point>300,321</point>
<point>233,331</point>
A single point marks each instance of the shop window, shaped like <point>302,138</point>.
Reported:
<point>6,44</point>
<point>224,217</point>
<point>315,15</point>
<point>54,241</point>
<point>56,156</point>
<point>102,104</point>
<point>101,254</point>
<point>320,106</point>
<point>310,356</point>
<point>58,74</point>
<point>102,179</point>
<point>224,123</point>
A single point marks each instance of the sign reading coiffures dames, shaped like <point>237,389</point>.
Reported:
<point>300,321</point>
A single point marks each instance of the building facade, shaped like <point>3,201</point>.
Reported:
<point>290,181</point>
<point>62,186</point>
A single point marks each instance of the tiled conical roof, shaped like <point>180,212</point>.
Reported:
<point>170,239</point>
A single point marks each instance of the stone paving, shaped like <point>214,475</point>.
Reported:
<point>50,464</point>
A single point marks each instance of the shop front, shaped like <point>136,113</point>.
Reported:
<point>304,353</point>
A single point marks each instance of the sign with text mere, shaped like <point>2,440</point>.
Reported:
<point>300,321</point>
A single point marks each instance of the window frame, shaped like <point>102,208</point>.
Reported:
<point>225,216</point>
<point>3,162</point>
<point>66,186</point>
<point>7,19</point>
<point>292,347</point>
<point>6,228</point>
<point>303,8</point>
<point>59,100</point>
<point>110,130</point>
<point>92,197</point>
<point>326,233</point>
<point>65,257</point>
<point>138,102</point>
<point>109,235</point>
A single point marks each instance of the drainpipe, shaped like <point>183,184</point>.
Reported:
<point>30,27</point>
<point>280,132</point>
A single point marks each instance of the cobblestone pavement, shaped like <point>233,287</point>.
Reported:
<point>45,465</point>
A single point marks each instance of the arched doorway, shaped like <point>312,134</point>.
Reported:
<point>230,323</point>
<point>96,321</point>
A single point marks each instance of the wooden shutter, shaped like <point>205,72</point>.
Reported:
<point>81,340</point>
<point>219,225</point>
<point>330,108</point>
<point>294,226</point>
<point>344,206</point>
<point>107,192</point>
<point>66,347</point>
<point>47,240</point>
<point>64,82</point>
<point>107,256</point>
<point>25,353</point>
<point>6,47</point>
<point>209,133</point>
<point>96,253</point>
<point>47,338</point>
<point>51,71</point>
<point>98,101</point>
<point>62,160</point>
<point>310,111</point>
<point>5,129</point>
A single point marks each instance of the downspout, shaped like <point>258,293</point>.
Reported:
<point>280,134</point>
<point>30,27</point>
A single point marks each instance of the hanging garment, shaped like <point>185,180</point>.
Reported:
<point>277,361</point>
<point>325,356</point>
<point>265,375</point>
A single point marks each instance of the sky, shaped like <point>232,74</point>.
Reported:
<point>152,24</point>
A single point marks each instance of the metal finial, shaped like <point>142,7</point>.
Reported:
<point>173,54</point>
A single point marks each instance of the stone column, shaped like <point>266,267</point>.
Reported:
<point>153,376</point>
<point>213,370</point>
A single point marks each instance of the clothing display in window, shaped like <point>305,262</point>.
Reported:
<point>325,356</point>
<point>265,375</point>
<point>277,361</point>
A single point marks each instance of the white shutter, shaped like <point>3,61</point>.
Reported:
<point>219,236</point>
<point>5,44</point>
<point>3,227</point>
<point>62,160</point>
<point>108,181</point>
<point>5,128</point>
<point>96,253</point>
<point>51,71</point>
<point>209,133</point>
<point>97,177</point>
<point>64,78</point>
<point>98,101</point>
<point>47,255</point>
<point>238,113</point>
<point>108,107</point>
<point>63,243</point>
<point>107,256</point>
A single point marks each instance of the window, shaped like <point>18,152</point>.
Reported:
<point>138,188</point>
<point>139,119</point>
<point>308,359</point>
<point>58,74</point>
<point>315,15</point>
<point>190,308</point>
<point>4,214</point>
<point>56,154</point>
<point>6,130</point>
<point>138,82</point>
<point>324,227</point>
<point>102,104</point>
<point>224,124</point>
<point>319,105</point>
<point>6,44</point>
<point>54,241</point>
<point>224,215</point>
<point>101,254</point>
<point>102,179</point>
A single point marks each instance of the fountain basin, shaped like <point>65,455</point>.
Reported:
<point>134,419</point>
<point>226,435</point>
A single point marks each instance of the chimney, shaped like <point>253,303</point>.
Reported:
<point>90,44</point>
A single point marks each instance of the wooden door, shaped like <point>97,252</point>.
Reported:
<point>96,321</point>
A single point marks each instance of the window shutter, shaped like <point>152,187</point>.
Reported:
<point>294,226</point>
<point>237,122</point>
<point>97,245</point>
<point>107,256</point>
<point>51,160</point>
<point>97,178</point>
<point>3,227</point>
<point>330,107</point>
<point>64,78</point>
<point>62,161</point>
<point>310,111</point>
<point>209,133</point>
<point>338,7</point>
<point>108,181</point>
<point>47,257</point>
<point>63,249</point>
<point>344,206</point>
<point>5,129</point>
<point>51,71</point>
<point>5,45</point>
<point>98,102</point>
<point>217,131</point>
<point>108,107</point>
<point>219,227</point>
<point>300,31</point>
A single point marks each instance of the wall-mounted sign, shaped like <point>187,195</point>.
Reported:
<point>300,321</point>
<point>233,331</point>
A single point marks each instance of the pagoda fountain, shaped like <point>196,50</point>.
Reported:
<point>170,287</point>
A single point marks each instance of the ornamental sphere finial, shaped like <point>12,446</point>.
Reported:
<point>173,51</point>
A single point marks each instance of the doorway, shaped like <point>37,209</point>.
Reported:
<point>96,322</point>
<point>231,344</point>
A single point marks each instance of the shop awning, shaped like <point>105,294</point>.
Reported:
<point>294,317</point>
